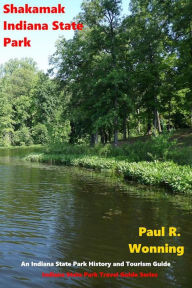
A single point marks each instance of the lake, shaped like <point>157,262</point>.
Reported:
<point>52,214</point>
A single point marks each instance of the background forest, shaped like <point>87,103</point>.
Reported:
<point>120,76</point>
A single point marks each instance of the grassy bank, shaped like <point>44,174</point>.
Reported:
<point>32,147</point>
<point>157,161</point>
<point>177,178</point>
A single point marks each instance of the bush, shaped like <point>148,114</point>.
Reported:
<point>22,137</point>
<point>181,156</point>
<point>6,138</point>
<point>40,134</point>
<point>157,148</point>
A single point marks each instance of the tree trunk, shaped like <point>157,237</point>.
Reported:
<point>115,122</point>
<point>128,127</point>
<point>139,124</point>
<point>114,66</point>
<point>191,118</point>
<point>157,123</point>
<point>72,134</point>
<point>102,137</point>
<point>106,137</point>
<point>92,140</point>
<point>110,133</point>
<point>148,127</point>
<point>125,127</point>
<point>96,138</point>
<point>169,119</point>
<point>116,131</point>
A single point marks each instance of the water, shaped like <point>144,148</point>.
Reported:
<point>52,213</point>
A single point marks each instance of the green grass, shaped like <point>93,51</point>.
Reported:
<point>35,146</point>
<point>161,160</point>
<point>153,149</point>
<point>175,177</point>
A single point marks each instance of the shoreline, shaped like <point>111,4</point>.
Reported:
<point>175,178</point>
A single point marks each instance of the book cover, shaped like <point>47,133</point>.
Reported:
<point>95,143</point>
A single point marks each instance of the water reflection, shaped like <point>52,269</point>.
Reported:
<point>50,214</point>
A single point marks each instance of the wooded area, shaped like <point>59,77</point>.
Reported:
<point>120,76</point>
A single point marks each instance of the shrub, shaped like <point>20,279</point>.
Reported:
<point>40,134</point>
<point>22,137</point>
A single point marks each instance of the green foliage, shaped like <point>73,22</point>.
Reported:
<point>181,155</point>
<point>6,138</point>
<point>157,148</point>
<point>40,134</point>
<point>59,134</point>
<point>146,162</point>
<point>131,73</point>
<point>30,110</point>
<point>176,178</point>
<point>119,76</point>
<point>22,137</point>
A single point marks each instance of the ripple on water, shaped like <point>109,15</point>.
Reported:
<point>50,213</point>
